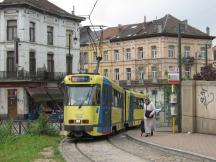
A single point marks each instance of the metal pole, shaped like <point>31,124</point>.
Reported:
<point>206,54</point>
<point>180,77</point>
<point>69,70</point>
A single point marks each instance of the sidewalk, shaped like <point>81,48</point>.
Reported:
<point>198,145</point>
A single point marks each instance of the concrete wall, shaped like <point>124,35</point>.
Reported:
<point>199,106</point>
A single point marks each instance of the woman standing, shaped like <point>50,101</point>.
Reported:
<point>149,117</point>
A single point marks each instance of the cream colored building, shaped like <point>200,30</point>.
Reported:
<point>142,56</point>
<point>147,52</point>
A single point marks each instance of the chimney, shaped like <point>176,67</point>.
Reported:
<point>207,30</point>
<point>119,27</point>
<point>73,11</point>
<point>144,19</point>
<point>160,28</point>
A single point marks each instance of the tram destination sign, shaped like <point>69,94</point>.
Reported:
<point>80,79</point>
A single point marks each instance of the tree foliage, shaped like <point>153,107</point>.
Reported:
<point>207,73</point>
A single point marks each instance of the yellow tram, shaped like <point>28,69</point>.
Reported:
<point>96,106</point>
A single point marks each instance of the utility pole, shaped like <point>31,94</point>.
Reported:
<point>206,54</point>
<point>69,41</point>
<point>180,76</point>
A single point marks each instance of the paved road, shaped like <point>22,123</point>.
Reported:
<point>118,148</point>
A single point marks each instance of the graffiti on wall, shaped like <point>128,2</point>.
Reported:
<point>206,97</point>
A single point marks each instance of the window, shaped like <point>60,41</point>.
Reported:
<point>116,74</point>
<point>11,30</point>
<point>82,95</point>
<point>84,57</point>
<point>105,56</point>
<point>32,32</point>
<point>69,64</point>
<point>187,72</point>
<point>128,72</point>
<point>105,72</point>
<point>186,51</point>
<point>214,55</point>
<point>140,53</point>
<point>202,53</point>
<point>116,55</point>
<point>69,34</point>
<point>95,57</point>
<point>154,73</point>
<point>141,75</point>
<point>139,102</point>
<point>172,69</point>
<point>128,54</point>
<point>10,61</point>
<point>50,63</point>
<point>153,52</point>
<point>32,63</point>
<point>49,35</point>
<point>117,99</point>
<point>171,52</point>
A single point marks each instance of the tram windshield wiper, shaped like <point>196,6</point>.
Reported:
<point>87,98</point>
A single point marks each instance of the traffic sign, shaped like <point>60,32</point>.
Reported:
<point>173,78</point>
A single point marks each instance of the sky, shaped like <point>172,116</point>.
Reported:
<point>199,13</point>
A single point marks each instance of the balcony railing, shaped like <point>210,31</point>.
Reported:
<point>124,83</point>
<point>188,60</point>
<point>38,76</point>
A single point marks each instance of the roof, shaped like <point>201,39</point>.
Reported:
<point>86,34</point>
<point>42,6</point>
<point>166,26</point>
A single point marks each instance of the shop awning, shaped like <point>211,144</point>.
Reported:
<point>39,94</point>
<point>55,94</point>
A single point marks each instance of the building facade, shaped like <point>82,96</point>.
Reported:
<point>39,44</point>
<point>142,56</point>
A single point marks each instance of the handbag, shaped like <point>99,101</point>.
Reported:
<point>147,114</point>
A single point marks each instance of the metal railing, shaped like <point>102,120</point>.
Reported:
<point>38,76</point>
<point>126,83</point>
<point>20,127</point>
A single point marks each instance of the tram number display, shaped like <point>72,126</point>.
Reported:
<point>80,79</point>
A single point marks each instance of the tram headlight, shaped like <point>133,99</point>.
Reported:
<point>77,121</point>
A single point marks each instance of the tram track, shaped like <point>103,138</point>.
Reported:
<point>116,148</point>
<point>82,152</point>
<point>71,152</point>
<point>123,148</point>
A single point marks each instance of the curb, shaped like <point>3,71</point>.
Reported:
<point>61,149</point>
<point>186,154</point>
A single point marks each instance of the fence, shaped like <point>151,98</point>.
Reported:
<point>20,127</point>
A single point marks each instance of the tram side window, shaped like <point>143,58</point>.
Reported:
<point>117,99</point>
<point>139,103</point>
<point>96,99</point>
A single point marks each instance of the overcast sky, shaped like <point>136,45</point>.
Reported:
<point>199,13</point>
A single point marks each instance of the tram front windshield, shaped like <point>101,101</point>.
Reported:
<point>82,95</point>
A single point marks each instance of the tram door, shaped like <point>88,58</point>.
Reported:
<point>12,103</point>
<point>105,108</point>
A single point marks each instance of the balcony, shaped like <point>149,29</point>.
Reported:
<point>141,83</point>
<point>188,60</point>
<point>26,76</point>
